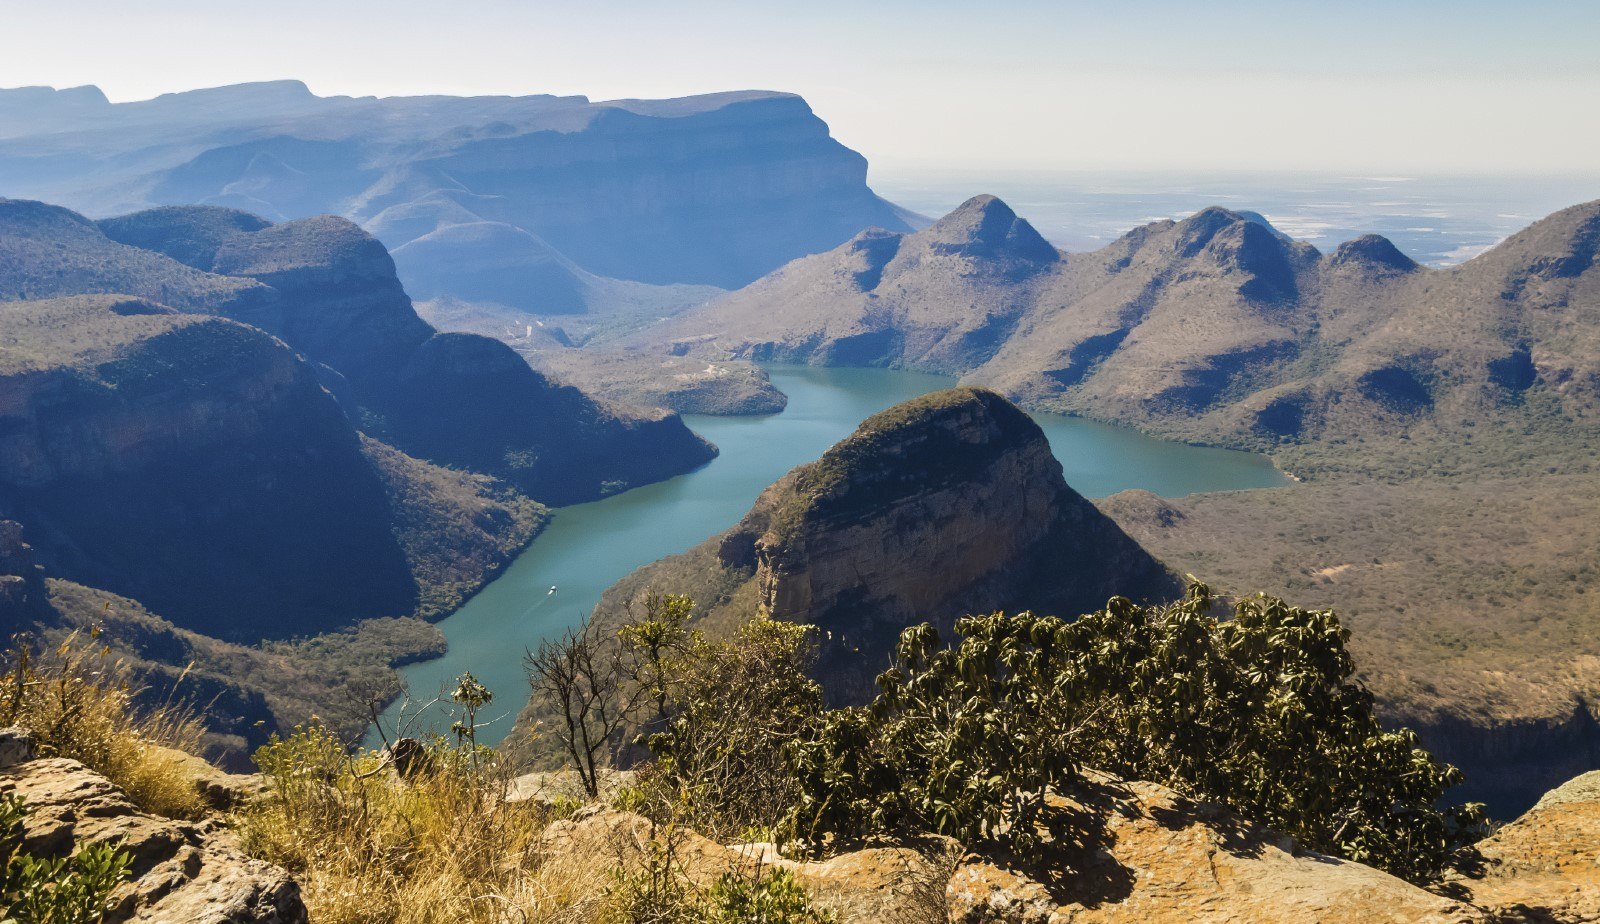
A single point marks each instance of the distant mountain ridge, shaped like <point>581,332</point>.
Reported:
<point>1216,327</point>
<point>715,189</point>
<point>329,290</point>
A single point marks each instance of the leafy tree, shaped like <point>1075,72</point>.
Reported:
<point>655,645</point>
<point>1260,711</point>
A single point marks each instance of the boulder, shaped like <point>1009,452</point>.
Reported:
<point>1141,852</point>
<point>1545,866</point>
<point>16,746</point>
<point>190,872</point>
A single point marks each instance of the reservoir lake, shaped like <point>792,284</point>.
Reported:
<point>588,547</point>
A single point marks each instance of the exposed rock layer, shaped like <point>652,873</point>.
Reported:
<point>1545,866</point>
<point>714,189</point>
<point>944,505</point>
<point>182,871</point>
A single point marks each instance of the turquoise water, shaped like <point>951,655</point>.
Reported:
<point>588,547</point>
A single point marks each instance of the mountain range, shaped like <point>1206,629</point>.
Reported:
<point>554,198</point>
<point>246,428</point>
<point>1216,327</point>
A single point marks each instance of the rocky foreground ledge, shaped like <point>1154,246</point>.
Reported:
<point>1150,855</point>
<point>190,872</point>
<point>1143,853</point>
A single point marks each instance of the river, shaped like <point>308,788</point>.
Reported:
<point>588,547</point>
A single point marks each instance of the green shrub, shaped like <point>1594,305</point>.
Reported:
<point>734,708</point>
<point>1260,711</point>
<point>54,890</point>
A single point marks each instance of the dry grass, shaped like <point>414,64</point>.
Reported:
<point>442,845</point>
<point>79,703</point>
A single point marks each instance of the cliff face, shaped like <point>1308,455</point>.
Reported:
<point>194,464</point>
<point>938,507</point>
<point>1542,867</point>
<point>330,291</point>
<point>716,189</point>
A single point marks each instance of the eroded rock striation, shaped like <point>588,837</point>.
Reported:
<point>182,871</point>
<point>1545,866</point>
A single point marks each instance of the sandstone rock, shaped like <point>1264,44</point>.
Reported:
<point>879,885</point>
<point>897,884</point>
<point>182,872</point>
<point>1545,866</point>
<point>945,505</point>
<point>221,790</point>
<point>1145,853</point>
<point>16,746</point>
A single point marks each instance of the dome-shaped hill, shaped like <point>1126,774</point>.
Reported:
<point>491,262</point>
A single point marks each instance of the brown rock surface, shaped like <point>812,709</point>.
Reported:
<point>1545,866</point>
<point>1150,855</point>
<point>948,504</point>
<point>879,885</point>
<point>189,872</point>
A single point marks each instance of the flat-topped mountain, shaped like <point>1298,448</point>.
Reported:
<point>941,506</point>
<point>1214,327</point>
<point>329,290</point>
<point>715,189</point>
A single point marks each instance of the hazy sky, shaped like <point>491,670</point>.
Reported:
<point>1402,85</point>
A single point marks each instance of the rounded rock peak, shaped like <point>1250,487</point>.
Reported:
<point>1372,250</point>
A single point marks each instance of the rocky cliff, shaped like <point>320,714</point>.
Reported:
<point>192,463</point>
<point>329,290</point>
<point>941,506</point>
<point>716,189</point>
<point>1543,867</point>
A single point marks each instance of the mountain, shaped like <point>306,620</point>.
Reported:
<point>329,290</point>
<point>716,189</point>
<point>1216,327</point>
<point>192,463</point>
<point>941,506</point>
<point>197,465</point>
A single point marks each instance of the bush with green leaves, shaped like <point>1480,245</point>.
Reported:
<point>1260,711</point>
<point>54,890</point>
<point>770,898</point>
<point>734,708</point>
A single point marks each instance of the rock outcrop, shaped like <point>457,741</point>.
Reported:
<point>1148,854</point>
<point>715,189</point>
<point>879,885</point>
<point>1545,866</point>
<point>181,871</point>
<point>941,506</point>
<point>944,505</point>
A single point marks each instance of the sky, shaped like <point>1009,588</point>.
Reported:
<point>1467,86</point>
